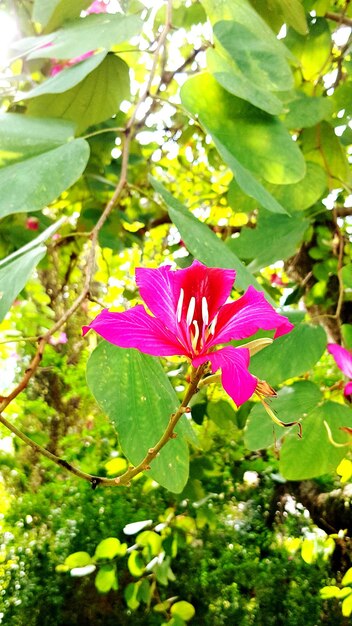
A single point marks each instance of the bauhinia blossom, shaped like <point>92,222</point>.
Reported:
<point>343,360</point>
<point>191,316</point>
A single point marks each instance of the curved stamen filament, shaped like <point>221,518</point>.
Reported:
<point>179,305</point>
<point>190,312</point>
<point>212,326</point>
<point>205,312</point>
<point>194,341</point>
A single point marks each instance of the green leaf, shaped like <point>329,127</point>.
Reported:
<point>347,606</point>
<point>317,456</point>
<point>302,195</point>
<point>130,595</point>
<point>276,237</point>
<point>305,111</point>
<point>108,548</point>
<point>32,184</point>
<point>259,142</point>
<point>51,13</point>
<point>254,144</point>
<point>105,579</point>
<point>96,98</point>
<point>248,66</point>
<point>242,12</point>
<point>14,276</point>
<point>48,232</point>
<point>294,15</point>
<point>293,403</point>
<point>313,50</point>
<point>330,591</point>
<point>67,78</point>
<point>22,137</point>
<point>222,413</point>
<point>133,390</point>
<point>183,609</point>
<point>202,242</point>
<point>321,145</point>
<point>82,35</point>
<point>346,273</point>
<point>347,579</point>
<point>290,355</point>
<point>78,559</point>
<point>136,564</point>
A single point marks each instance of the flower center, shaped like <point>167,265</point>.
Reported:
<point>196,318</point>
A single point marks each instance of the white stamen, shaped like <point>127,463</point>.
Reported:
<point>205,311</point>
<point>212,325</point>
<point>190,312</point>
<point>196,335</point>
<point>179,305</point>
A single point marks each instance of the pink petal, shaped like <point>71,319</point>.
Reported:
<point>157,290</point>
<point>348,389</point>
<point>198,281</point>
<point>243,318</point>
<point>343,358</point>
<point>136,329</point>
<point>235,377</point>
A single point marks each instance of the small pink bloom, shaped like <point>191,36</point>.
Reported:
<point>55,341</point>
<point>58,67</point>
<point>32,223</point>
<point>275,279</point>
<point>190,318</point>
<point>343,360</point>
<point>99,6</point>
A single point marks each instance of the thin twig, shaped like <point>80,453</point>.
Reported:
<point>340,19</point>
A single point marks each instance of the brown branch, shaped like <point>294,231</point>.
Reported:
<point>144,465</point>
<point>340,19</point>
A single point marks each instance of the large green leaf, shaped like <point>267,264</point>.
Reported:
<point>321,145</point>
<point>16,268</point>
<point>133,390</point>
<point>253,144</point>
<point>22,136</point>
<point>51,13</point>
<point>31,184</point>
<point>279,12</point>
<point>202,242</point>
<point>293,403</point>
<point>67,78</point>
<point>81,36</point>
<point>14,276</point>
<point>96,98</point>
<point>305,193</point>
<point>290,355</point>
<point>242,12</point>
<point>276,237</point>
<point>313,50</point>
<point>305,111</point>
<point>314,455</point>
<point>248,66</point>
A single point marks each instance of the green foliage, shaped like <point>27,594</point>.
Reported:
<point>215,133</point>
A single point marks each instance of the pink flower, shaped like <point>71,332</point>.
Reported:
<point>32,223</point>
<point>98,6</point>
<point>58,67</point>
<point>55,341</point>
<point>275,279</point>
<point>343,360</point>
<point>190,318</point>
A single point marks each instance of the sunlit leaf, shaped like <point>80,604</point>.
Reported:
<point>31,184</point>
<point>81,36</point>
<point>315,453</point>
<point>96,98</point>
